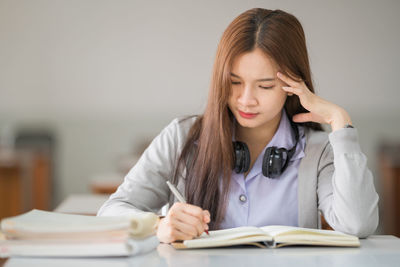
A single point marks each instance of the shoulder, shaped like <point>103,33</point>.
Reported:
<point>184,122</point>
<point>178,129</point>
<point>167,145</point>
<point>181,125</point>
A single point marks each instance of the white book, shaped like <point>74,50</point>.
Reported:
<point>73,248</point>
<point>82,248</point>
<point>43,233</point>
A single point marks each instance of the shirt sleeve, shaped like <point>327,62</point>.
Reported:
<point>144,187</point>
<point>346,191</point>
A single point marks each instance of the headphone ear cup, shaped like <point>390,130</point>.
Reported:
<point>267,162</point>
<point>273,162</point>
<point>246,158</point>
<point>241,157</point>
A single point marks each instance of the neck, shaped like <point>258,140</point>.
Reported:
<point>261,135</point>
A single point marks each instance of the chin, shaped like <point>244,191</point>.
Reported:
<point>248,123</point>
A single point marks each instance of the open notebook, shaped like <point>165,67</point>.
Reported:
<point>273,236</point>
<point>43,233</point>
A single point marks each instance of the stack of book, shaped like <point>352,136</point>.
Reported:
<point>51,234</point>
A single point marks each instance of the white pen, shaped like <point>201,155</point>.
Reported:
<point>179,196</point>
<point>176,192</point>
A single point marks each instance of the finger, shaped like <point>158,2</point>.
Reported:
<point>306,117</point>
<point>193,210</point>
<point>206,219</point>
<point>185,228</point>
<point>168,232</point>
<point>191,220</point>
<point>176,234</point>
<point>206,216</point>
<point>189,209</point>
<point>196,212</point>
<point>302,117</point>
<point>292,90</point>
<point>288,80</point>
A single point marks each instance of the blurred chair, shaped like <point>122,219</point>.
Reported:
<point>39,143</point>
<point>104,187</point>
<point>10,185</point>
<point>389,165</point>
<point>106,183</point>
<point>26,172</point>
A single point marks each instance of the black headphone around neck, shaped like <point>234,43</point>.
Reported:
<point>275,159</point>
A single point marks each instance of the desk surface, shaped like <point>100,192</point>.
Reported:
<point>374,251</point>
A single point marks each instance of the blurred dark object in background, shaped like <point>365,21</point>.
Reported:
<point>41,144</point>
<point>27,171</point>
<point>10,184</point>
<point>389,165</point>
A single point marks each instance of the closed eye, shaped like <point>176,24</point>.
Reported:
<point>269,87</point>
<point>263,87</point>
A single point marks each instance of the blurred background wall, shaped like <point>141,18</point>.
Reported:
<point>102,78</point>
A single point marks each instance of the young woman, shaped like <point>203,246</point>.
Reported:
<point>258,155</point>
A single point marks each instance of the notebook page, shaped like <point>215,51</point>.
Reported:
<point>218,236</point>
<point>275,230</point>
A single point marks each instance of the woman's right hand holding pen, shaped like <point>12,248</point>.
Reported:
<point>183,222</point>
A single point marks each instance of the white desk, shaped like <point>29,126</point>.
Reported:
<point>374,251</point>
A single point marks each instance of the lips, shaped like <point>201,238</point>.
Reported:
<point>247,115</point>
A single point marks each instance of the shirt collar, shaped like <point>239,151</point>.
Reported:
<point>283,137</point>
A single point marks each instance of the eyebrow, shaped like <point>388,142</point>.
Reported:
<point>259,80</point>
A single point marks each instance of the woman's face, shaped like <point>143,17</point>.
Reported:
<point>257,96</point>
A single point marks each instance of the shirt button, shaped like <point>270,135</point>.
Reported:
<point>242,198</point>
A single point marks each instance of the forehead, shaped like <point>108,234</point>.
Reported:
<point>254,65</point>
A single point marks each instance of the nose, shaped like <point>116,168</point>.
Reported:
<point>247,97</point>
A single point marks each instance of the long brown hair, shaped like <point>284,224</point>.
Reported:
<point>208,152</point>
